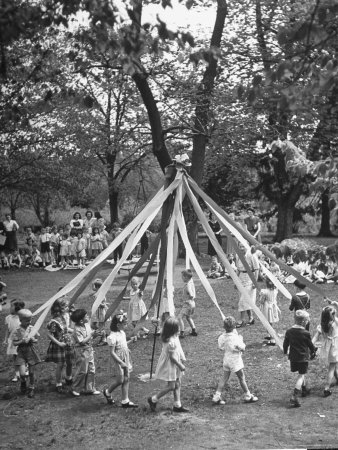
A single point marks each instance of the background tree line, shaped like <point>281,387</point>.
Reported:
<point>96,100</point>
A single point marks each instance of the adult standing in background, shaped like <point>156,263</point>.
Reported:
<point>98,220</point>
<point>76,223</point>
<point>253,225</point>
<point>11,227</point>
<point>216,228</point>
<point>243,306</point>
<point>88,221</point>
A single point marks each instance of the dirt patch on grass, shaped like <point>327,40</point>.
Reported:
<point>51,420</point>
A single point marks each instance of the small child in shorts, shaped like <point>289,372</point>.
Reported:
<point>298,341</point>
<point>12,322</point>
<point>232,344</point>
<point>188,308</point>
<point>27,354</point>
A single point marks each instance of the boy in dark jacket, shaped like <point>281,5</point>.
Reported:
<point>301,349</point>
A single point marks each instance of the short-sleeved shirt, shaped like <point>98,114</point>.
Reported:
<point>189,292</point>
<point>80,333</point>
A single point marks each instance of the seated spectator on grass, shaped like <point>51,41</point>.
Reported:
<point>15,260</point>
<point>36,257</point>
<point>215,270</point>
<point>332,271</point>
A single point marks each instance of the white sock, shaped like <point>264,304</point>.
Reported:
<point>154,399</point>
<point>125,401</point>
<point>177,404</point>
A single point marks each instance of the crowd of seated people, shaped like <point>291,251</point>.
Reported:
<point>317,266</point>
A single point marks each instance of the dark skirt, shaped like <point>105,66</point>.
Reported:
<point>11,243</point>
<point>211,250</point>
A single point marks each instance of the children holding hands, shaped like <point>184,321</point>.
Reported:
<point>84,378</point>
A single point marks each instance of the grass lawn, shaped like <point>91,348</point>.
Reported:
<point>59,421</point>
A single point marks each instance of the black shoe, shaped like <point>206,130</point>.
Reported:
<point>251,322</point>
<point>271,343</point>
<point>152,404</point>
<point>59,389</point>
<point>69,382</point>
<point>129,405</point>
<point>268,338</point>
<point>31,393</point>
<point>181,336</point>
<point>294,401</point>
<point>23,388</point>
<point>193,333</point>
<point>305,391</point>
<point>110,401</point>
<point>180,409</point>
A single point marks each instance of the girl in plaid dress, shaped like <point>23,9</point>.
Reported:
<point>60,350</point>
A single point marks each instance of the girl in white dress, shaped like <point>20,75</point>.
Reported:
<point>120,364</point>
<point>327,335</point>
<point>170,366</point>
<point>137,307</point>
<point>268,306</point>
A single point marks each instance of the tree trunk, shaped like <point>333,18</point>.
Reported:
<point>285,221</point>
<point>202,117</point>
<point>160,150</point>
<point>325,230</point>
<point>113,193</point>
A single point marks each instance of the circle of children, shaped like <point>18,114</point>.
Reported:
<point>71,334</point>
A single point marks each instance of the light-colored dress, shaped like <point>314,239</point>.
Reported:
<point>232,344</point>
<point>137,307</point>
<point>166,370</point>
<point>253,262</point>
<point>329,344</point>
<point>117,343</point>
<point>64,247</point>
<point>268,305</point>
<point>13,322</point>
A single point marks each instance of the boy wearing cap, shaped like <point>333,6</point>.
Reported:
<point>26,353</point>
<point>298,341</point>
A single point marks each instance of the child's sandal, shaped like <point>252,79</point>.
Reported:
<point>110,401</point>
<point>251,399</point>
